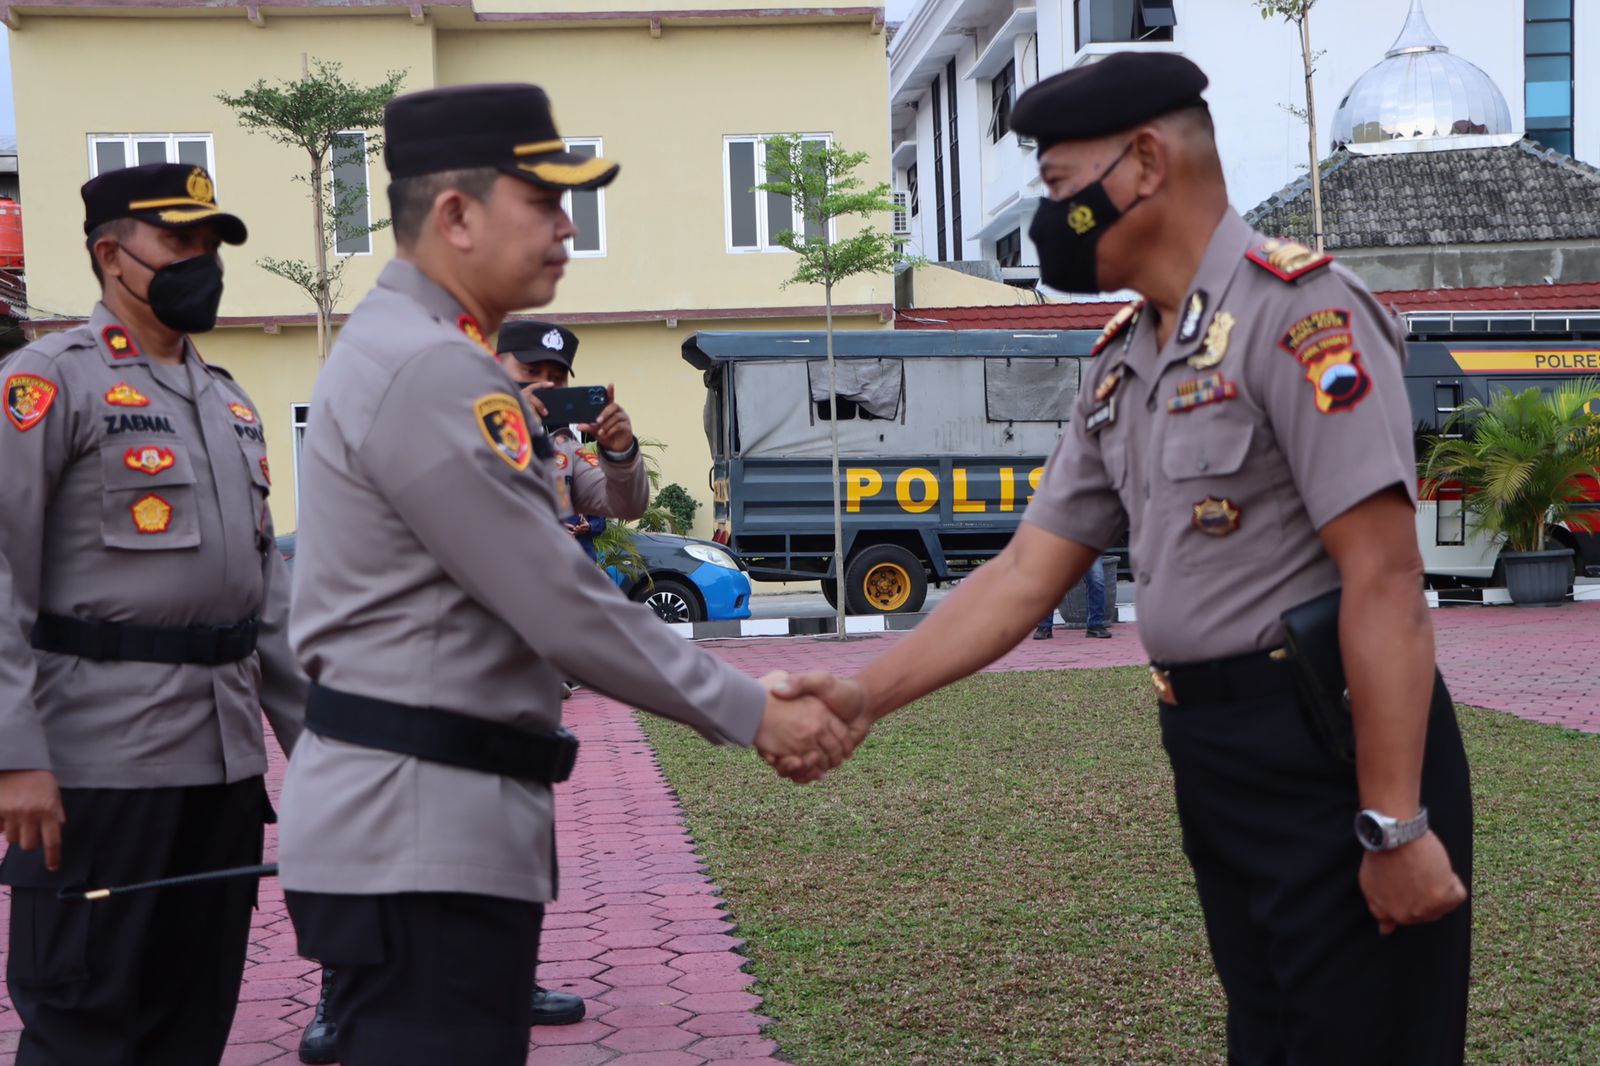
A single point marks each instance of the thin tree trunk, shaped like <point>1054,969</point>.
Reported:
<point>323,324</point>
<point>1311,133</point>
<point>833,437</point>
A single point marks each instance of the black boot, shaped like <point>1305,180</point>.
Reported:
<point>555,1008</point>
<point>317,1045</point>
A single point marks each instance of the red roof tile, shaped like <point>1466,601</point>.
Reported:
<point>1569,297</point>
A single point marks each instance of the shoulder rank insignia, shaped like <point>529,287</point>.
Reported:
<point>149,460</point>
<point>469,325</point>
<point>28,398</point>
<point>1216,345</point>
<point>1119,322</point>
<point>124,395</point>
<point>1287,259</point>
<point>152,514</point>
<point>121,345</point>
<point>242,413</point>
<point>266,471</point>
<point>501,423</point>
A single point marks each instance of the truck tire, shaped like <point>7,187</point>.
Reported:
<point>830,592</point>
<point>885,579</point>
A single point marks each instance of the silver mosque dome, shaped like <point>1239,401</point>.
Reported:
<point>1420,98</point>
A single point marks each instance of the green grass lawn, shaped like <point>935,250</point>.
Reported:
<point>996,878</point>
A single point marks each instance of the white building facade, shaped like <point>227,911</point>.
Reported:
<point>957,66</point>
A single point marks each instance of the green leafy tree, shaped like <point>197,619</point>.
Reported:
<point>314,114</point>
<point>821,181</point>
<point>1523,461</point>
<point>618,544</point>
<point>676,509</point>
<point>1298,14</point>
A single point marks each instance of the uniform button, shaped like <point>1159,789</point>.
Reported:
<point>1144,579</point>
<point>1204,465</point>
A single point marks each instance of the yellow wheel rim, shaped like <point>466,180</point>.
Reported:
<point>887,586</point>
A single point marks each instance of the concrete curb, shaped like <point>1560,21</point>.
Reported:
<point>896,623</point>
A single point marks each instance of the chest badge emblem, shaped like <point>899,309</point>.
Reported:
<point>149,460</point>
<point>125,395</point>
<point>1216,344</point>
<point>242,413</point>
<point>152,514</point>
<point>1216,518</point>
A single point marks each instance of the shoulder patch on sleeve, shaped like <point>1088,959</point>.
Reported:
<point>28,398</point>
<point>502,425</point>
<point>1119,322</point>
<point>1287,260</point>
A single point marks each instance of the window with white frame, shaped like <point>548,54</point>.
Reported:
<point>298,414</point>
<point>352,209</point>
<point>586,207</point>
<point>754,219</point>
<point>113,151</point>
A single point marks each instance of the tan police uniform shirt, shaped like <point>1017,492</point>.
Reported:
<point>136,492</point>
<point>432,570</point>
<point>1277,404</point>
<point>589,483</point>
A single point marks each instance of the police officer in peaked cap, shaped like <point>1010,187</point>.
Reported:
<point>1247,423</point>
<point>418,839</point>
<point>147,633</point>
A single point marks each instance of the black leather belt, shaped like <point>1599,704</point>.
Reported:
<point>90,638</point>
<point>1223,680</point>
<point>441,736</point>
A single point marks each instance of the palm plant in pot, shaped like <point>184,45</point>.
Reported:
<point>1525,463</point>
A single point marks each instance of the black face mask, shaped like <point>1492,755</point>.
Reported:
<point>1066,232</point>
<point>184,295</point>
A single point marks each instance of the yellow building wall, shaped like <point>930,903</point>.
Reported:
<point>662,107</point>
<point>79,76</point>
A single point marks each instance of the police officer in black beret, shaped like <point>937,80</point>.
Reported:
<point>147,634</point>
<point>1247,424</point>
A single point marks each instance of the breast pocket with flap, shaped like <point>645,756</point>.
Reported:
<point>148,502</point>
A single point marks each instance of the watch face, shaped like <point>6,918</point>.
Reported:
<point>1370,832</point>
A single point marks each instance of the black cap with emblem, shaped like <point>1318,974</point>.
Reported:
<point>538,342</point>
<point>508,127</point>
<point>1117,93</point>
<point>169,195</point>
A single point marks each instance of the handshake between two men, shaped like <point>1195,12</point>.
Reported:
<point>813,723</point>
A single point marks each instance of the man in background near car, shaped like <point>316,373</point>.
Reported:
<point>1094,588</point>
<point>583,527</point>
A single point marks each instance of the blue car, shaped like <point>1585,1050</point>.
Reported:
<point>687,580</point>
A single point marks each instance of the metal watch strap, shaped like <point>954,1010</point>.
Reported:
<point>1396,833</point>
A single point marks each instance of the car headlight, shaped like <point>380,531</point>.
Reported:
<point>715,556</point>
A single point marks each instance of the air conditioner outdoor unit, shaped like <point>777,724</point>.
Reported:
<point>902,221</point>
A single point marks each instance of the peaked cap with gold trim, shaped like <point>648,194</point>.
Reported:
<point>508,127</point>
<point>169,195</point>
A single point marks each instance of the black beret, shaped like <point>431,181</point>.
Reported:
<point>507,127</point>
<point>169,195</point>
<point>538,342</point>
<point>1117,93</point>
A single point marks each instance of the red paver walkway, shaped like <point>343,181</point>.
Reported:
<point>640,931</point>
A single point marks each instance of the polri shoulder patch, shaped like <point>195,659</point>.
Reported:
<point>501,423</point>
<point>28,399</point>
<point>1287,260</point>
<point>1119,322</point>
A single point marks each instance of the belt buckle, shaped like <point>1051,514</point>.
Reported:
<point>1162,681</point>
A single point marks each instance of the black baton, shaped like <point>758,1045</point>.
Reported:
<point>269,869</point>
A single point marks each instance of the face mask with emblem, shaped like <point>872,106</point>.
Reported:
<point>184,295</point>
<point>1067,233</point>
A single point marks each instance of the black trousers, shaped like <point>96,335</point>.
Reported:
<point>1266,815</point>
<point>150,979</point>
<point>424,978</point>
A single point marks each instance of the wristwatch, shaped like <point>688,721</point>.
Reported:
<point>624,456</point>
<point>1379,832</point>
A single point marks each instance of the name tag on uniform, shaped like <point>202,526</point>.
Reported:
<point>1101,416</point>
